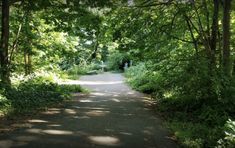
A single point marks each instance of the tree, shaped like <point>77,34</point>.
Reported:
<point>4,72</point>
<point>226,38</point>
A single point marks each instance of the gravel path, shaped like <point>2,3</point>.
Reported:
<point>112,115</point>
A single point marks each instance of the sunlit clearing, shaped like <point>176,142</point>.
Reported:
<point>130,93</point>
<point>85,101</point>
<point>98,94</point>
<point>146,98</point>
<point>70,111</point>
<point>168,94</point>
<point>51,132</point>
<point>51,112</point>
<point>104,140</point>
<point>92,108</point>
<point>97,113</point>
<point>116,100</point>
<point>34,131</point>
<point>54,125</point>
<point>72,82</point>
<point>37,121</point>
<point>54,109</point>
<point>57,132</point>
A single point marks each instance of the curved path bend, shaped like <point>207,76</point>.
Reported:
<point>112,115</point>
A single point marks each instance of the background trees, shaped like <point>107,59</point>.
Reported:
<point>183,56</point>
<point>183,51</point>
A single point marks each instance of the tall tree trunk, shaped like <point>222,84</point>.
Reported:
<point>29,63</point>
<point>26,62</point>
<point>28,43</point>
<point>214,31</point>
<point>5,72</point>
<point>227,65</point>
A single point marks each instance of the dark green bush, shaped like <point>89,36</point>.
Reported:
<point>195,101</point>
<point>34,94</point>
<point>229,139</point>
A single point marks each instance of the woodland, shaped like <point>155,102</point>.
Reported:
<point>183,55</point>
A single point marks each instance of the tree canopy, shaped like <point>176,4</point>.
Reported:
<point>180,51</point>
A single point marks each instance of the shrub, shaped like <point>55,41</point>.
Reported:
<point>229,140</point>
<point>5,104</point>
<point>35,93</point>
<point>116,61</point>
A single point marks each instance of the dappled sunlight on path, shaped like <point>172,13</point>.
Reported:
<point>112,115</point>
<point>71,82</point>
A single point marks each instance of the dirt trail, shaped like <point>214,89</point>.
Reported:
<point>112,115</point>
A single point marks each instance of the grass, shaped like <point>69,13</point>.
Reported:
<point>202,127</point>
<point>194,135</point>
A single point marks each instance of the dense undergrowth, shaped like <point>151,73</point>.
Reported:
<point>35,92</point>
<point>195,119</point>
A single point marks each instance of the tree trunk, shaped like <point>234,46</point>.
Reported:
<point>26,62</point>
<point>5,72</point>
<point>227,65</point>
<point>214,32</point>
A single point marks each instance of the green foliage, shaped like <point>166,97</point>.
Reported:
<point>229,140</point>
<point>35,93</point>
<point>182,93</point>
<point>194,135</point>
<point>75,71</point>
<point>117,60</point>
<point>4,104</point>
<point>67,89</point>
<point>137,78</point>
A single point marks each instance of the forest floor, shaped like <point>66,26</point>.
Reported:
<point>111,115</point>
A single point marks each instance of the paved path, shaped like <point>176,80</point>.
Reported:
<point>112,115</point>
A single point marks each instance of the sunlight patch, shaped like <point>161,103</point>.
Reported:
<point>85,101</point>
<point>70,111</point>
<point>51,132</point>
<point>57,132</point>
<point>37,121</point>
<point>116,100</point>
<point>98,94</point>
<point>50,112</point>
<point>54,109</point>
<point>72,82</point>
<point>34,131</point>
<point>54,125</point>
<point>104,140</point>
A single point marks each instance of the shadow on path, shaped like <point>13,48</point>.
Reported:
<point>112,115</point>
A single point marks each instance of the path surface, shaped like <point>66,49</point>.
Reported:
<point>112,115</point>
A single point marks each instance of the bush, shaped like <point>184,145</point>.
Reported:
<point>195,113</point>
<point>137,76</point>
<point>229,140</point>
<point>83,69</point>
<point>35,93</point>
<point>117,60</point>
<point>5,104</point>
